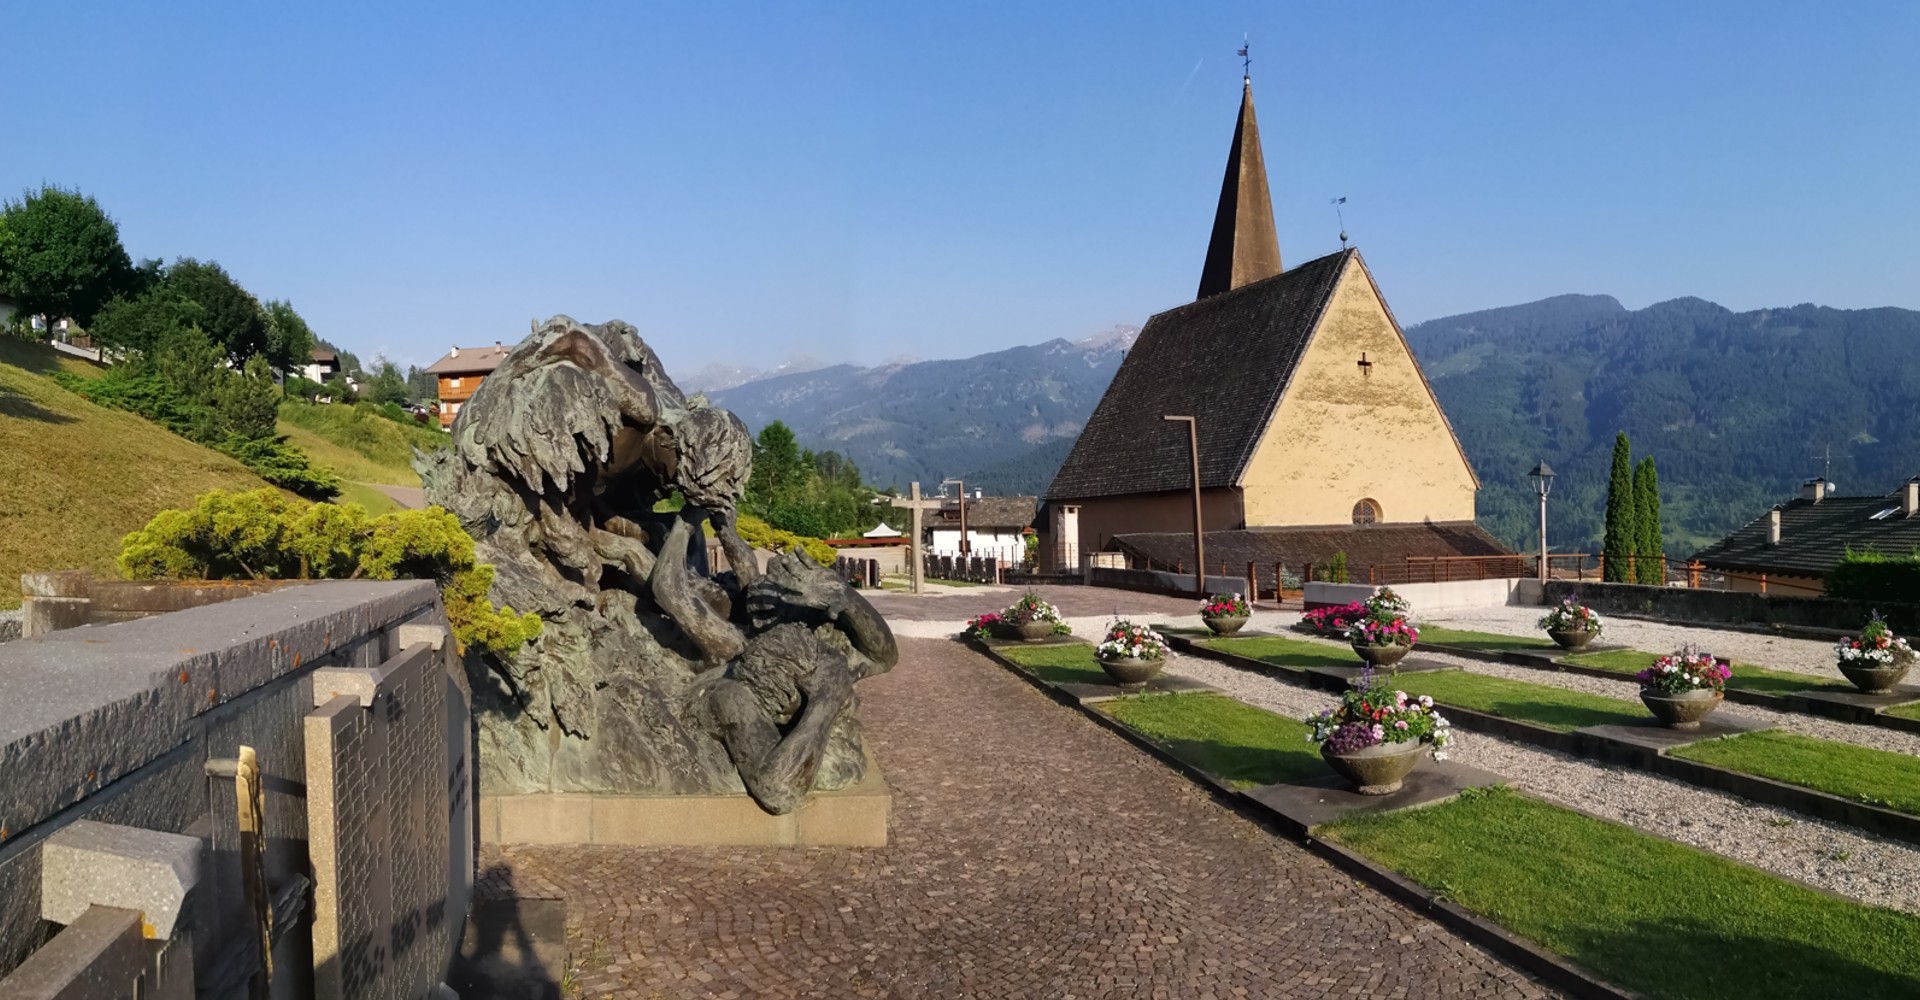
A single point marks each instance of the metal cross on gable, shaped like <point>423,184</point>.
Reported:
<point>915,553</point>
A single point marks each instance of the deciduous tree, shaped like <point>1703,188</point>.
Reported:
<point>61,257</point>
<point>229,313</point>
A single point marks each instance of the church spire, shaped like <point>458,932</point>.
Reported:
<point>1245,247</point>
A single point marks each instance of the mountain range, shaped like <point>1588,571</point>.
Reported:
<point>1735,408</point>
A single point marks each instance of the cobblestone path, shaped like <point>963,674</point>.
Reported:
<point>1033,855</point>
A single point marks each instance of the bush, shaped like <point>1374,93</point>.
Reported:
<point>1871,576</point>
<point>283,465</point>
<point>263,535</point>
<point>762,535</point>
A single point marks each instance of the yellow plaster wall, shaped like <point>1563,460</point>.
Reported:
<point>1344,432</point>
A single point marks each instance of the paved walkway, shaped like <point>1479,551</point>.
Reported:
<point>1033,855</point>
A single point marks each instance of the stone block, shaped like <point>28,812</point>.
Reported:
<point>434,636</point>
<point>101,953</point>
<point>99,864</point>
<point>542,819</point>
<point>1301,808</point>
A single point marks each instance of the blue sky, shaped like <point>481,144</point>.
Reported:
<point>747,183</point>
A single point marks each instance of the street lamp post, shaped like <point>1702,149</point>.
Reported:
<point>966,547</point>
<point>1543,482</point>
<point>1199,534</point>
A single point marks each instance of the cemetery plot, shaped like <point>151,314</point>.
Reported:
<point>1629,907</point>
<point>1876,777</point>
<point>1433,637</point>
<point>1642,912</point>
<point>1287,654</point>
<point>1746,676</point>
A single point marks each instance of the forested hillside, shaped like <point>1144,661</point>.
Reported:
<point>1003,420</point>
<point>1735,408</point>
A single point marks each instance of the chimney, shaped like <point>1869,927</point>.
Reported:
<point>1814,490</point>
<point>1910,497</point>
<point>455,352</point>
<point>496,345</point>
<point>1773,526</point>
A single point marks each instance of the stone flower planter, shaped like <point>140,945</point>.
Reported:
<point>1033,631</point>
<point>1381,656</point>
<point>1225,624</point>
<point>1684,710</point>
<point>1875,680</point>
<point>1377,770</point>
<point>1131,672</point>
<point>1570,638</point>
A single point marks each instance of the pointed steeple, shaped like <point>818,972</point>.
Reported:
<point>1245,247</point>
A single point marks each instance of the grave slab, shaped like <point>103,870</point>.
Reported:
<point>1163,684</point>
<point>1301,808</point>
<point>1658,738</point>
<point>1854,702</point>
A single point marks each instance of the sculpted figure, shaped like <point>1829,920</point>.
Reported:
<point>652,673</point>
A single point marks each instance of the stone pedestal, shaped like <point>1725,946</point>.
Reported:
<point>849,817</point>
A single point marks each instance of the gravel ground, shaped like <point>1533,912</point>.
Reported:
<point>1839,858</point>
<point>1809,656</point>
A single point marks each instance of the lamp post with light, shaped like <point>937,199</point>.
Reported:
<point>966,547</point>
<point>1199,535</point>
<point>1543,483</point>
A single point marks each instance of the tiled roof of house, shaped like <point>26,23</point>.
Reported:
<point>1814,535</point>
<point>1366,545</point>
<point>1225,360</point>
<point>1004,513</point>
<point>323,357</point>
<point>469,360</point>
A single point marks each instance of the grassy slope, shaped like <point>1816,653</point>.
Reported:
<point>75,478</point>
<point>1645,913</point>
<point>1238,743</point>
<point>363,447</point>
<point>1878,777</point>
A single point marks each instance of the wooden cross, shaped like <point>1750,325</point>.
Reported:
<point>914,552</point>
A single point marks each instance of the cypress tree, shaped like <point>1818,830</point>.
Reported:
<point>1622,530</point>
<point>1646,508</point>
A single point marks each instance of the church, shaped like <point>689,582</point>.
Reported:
<point>1317,433</point>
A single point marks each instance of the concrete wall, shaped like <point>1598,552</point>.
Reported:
<point>1344,432</point>
<point>1726,607</point>
<point>1433,598</point>
<point>137,726</point>
<point>72,598</point>
<point>1101,518</point>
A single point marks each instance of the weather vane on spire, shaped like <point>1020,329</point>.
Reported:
<point>1246,61</point>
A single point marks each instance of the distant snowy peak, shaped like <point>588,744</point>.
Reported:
<point>717,376</point>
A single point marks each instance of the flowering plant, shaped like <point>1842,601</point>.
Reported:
<point>1226,606</point>
<point>1386,629</point>
<point>1570,617</point>
<point>983,626</point>
<point>1683,671</point>
<point>1372,713</point>
<point>1125,639</point>
<point>1385,600</point>
<point>1031,608</point>
<point>1332,621</point>
<point>1876,647</point>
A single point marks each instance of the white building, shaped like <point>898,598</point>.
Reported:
<point>996,526</point>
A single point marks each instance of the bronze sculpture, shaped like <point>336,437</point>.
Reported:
<point>651,674</point>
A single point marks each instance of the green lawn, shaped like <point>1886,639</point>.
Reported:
<point>1289,654</point>
<point>1877,777</point>
<point>1909,711</point>
<point>1746,676</point>
<point>1552,707</point>
<point>1491,642</point>
<point>1066,663</point>
<point>1242,745</point>
<point>1644,913</point>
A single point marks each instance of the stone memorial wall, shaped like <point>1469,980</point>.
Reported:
<point>159,831</point>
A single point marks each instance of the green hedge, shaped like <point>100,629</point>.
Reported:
<point>1870,576</point>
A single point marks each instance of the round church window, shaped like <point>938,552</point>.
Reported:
<point>1366,512</point>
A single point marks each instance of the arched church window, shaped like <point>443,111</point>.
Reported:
<point>1367,511</point>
